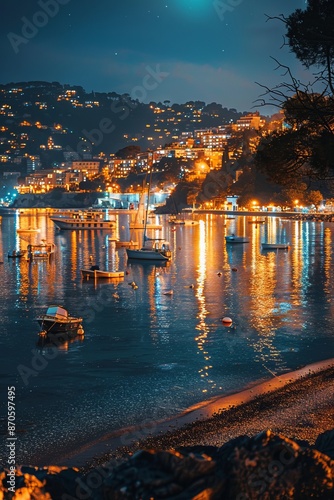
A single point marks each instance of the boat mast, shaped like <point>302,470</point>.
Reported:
<point>147,203</point>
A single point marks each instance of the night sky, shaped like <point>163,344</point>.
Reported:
<point>155,50</point>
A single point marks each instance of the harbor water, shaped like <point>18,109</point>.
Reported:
<point>146,355</point>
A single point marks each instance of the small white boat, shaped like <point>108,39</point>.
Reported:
<point>279,246</point>
<point>236,239</point>
<point>95,272</point>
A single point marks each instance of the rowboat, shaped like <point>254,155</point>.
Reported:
<point>98,273</point>
<point>278,246</point>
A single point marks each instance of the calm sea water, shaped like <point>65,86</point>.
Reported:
<point>146,355</point>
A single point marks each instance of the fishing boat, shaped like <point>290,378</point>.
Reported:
<point>236,239</point>
<point>85,219</point>
<point>57,321</point>
<point>95,272</point>
<point>42,250</point>
<point>275,246</point>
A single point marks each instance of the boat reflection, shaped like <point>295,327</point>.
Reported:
<point>148,263</point>
<point>61,342</point>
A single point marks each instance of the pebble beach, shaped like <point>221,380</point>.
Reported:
<point>298,405</point>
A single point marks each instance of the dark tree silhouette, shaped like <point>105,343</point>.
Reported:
<point>304,151</point>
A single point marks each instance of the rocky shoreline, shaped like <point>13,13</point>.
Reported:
<point>277,445</point>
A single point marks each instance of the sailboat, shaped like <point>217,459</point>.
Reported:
<point>140,219</point>
<point>157,250</point>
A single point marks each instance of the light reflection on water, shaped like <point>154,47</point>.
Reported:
<point>146,355</point>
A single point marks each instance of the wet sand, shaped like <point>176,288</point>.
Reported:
<point>299,405</point>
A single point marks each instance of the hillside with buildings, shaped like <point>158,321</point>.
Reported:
<point>59,136</point>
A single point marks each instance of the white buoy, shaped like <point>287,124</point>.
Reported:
<point>227,321</point>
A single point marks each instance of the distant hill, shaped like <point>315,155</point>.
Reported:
<point>93,122</point>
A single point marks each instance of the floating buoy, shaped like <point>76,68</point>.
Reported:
<point>134,286</point>
<point>234,269</point>
<point>80,330</point>
<point>127,272</point>
<point>115,295</point>
<point>219,274</point>
<point>169,292</point>
<point>191,286</point>
<point>227,321</point>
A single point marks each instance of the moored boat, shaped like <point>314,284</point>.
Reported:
<point>175,221</point>
<point>43,250</point>
<point>85,219</point>
<point>279,246</point>
<point>236,239</point>
<point>16,254</point>
<point>56,320</point>
<point>95,273</point>
<point>157,251</point>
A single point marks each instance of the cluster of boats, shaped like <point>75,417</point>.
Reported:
<point>233,239</point>
<point>56,322</point>
<point>42,250</point>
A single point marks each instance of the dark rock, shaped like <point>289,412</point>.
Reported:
<point>267,466</point>
<point>325,443</point>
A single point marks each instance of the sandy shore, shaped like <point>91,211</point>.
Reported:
<point>298,404</point>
